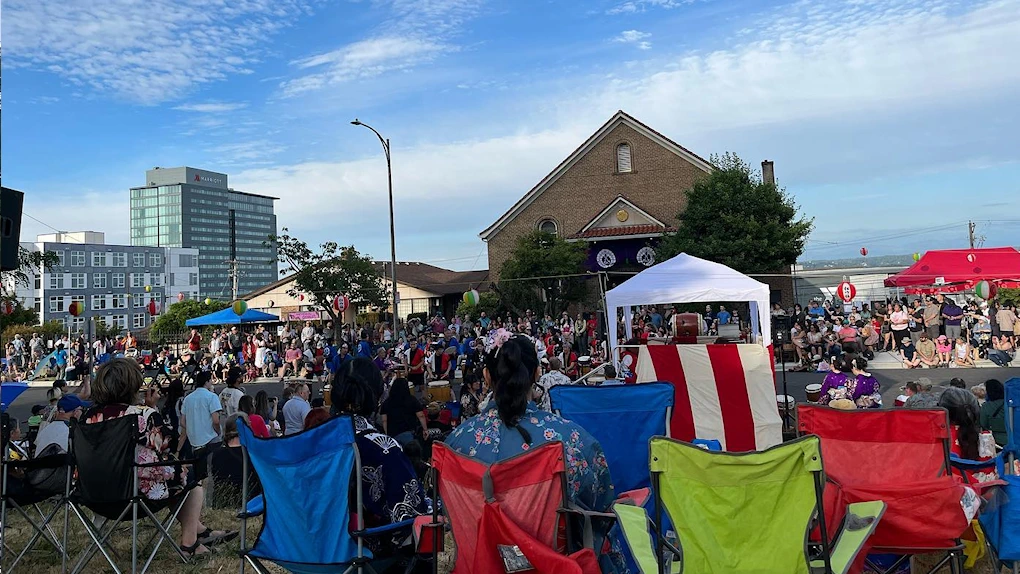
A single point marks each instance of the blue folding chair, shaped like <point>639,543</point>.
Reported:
<point>622,418</point>
<point>305,530</point>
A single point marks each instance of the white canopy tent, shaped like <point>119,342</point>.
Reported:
<point>688,279</point>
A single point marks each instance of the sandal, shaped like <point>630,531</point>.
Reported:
<point>209,538</point>
<point>192,551</point>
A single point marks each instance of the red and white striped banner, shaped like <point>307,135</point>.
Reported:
<point>722,392</point>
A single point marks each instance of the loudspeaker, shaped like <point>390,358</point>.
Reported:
<point>11,202</point>
<point>781,326</point>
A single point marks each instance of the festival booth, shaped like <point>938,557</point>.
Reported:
<point>724,392</point>
<point>955,270</point>
<point>229,317</point>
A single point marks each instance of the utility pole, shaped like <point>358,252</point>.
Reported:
<point>970,233</point>
<point>233,279</point>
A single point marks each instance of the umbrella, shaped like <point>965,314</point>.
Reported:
<point>9,392</point>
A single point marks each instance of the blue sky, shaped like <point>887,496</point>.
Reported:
<point>892,122</point>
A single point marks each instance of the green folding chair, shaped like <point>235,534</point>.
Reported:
<point>742,512</point>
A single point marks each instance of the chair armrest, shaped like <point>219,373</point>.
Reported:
<point>634,522</point>
<point>165,463</point>
<point>588,535</point>
<point>255,507</point>
<point>968,464</point>
<point>386,528</point>
<point>861,520</point>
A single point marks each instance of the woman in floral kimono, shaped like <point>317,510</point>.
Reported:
<point>511,424</point>
<point>861,387</point>
<point>834,380</point>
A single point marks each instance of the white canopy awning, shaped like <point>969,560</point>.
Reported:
<point>688,279</point>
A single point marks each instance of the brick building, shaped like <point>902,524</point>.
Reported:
<point>619,191</point>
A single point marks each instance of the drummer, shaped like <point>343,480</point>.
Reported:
<point>834,380</point>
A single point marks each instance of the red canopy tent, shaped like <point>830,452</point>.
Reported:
<point>953,270</point>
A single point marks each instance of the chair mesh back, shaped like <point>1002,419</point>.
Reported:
<point>528,487</point>
<point>306,480</point>
<point>104,455</point>
<point>739,512</point>
<point>622,418</point>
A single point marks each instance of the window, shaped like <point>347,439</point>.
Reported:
<point>57,281</point>
<point>138,260</point>
<point>78,280</point>
<point>117,280</point>
<point>155,260</point>
<point>77,259</point>
<point>60,258</point>
<point>99,280</point>
<point>187,261</point>
<point>56,304</point>
<point>119,321</point>
<point>547,226</point>
<point>98,302</point>
<point>119,259</point>
<point>77,299</point>
<point>138,280</point>
<point>192,279</point>
<point>78,323</point>
<point>38,280</point>
<point>136,300</point>
<point>118,301</point>
<point>157,279</point>
<point>623,164</point>
<point>99,259</point>
<point>138,321</point>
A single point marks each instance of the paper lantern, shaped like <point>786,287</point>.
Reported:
<point>301,297</point>
<point>272,303</point>
<point>208,301</point>
<point>8,307</point>
<point>917,257</point>
<point>239,307</point>
<point>471,297</point>
<point>148,288</point>
<point>75,308</point>
<point>341,303</point>
<point>846,291</point>
<point>985,290</point>
<point>971,257</point>
<point>153,308</point>
<point>864,251</point>
<point>180,297</point>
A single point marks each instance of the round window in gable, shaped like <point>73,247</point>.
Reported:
<point>547,226</point>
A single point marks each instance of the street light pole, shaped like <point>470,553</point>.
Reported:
<point>393,241</point>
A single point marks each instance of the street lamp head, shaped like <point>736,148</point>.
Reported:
<point>356,122</point>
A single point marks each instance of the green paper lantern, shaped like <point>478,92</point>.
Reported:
<point>239,307</point>
<point>471,297</point>
<point>985,290</point>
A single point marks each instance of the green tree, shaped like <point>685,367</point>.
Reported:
<point>20,316</point>
<point>488,303</point>
<point>30,263</point>
<point>172,323</point>
<point>332,271</point>
<point>736,219</point>
<point>1008,297</point>
<point>543,274</point>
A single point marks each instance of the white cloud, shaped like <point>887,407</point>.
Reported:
<point>146,52</point>
<point>212,107</point>
<point>415,32</point>
<point>635,37</point>
<point>634,6</point>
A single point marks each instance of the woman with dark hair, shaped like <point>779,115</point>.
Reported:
<point>173,396</point>
<point>402,413</point>
<point>470,396</point>
<point>512,424</point>
<point>392,490</point>
<point>835,380</point>
<point>964,413</point>
<point>115,394</point>
<point>258,424</point>
<point>993,412</point>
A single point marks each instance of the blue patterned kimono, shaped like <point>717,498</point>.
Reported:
<point>589,485</point>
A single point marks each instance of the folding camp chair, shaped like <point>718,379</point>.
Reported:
<point>519,502</point>
<point>900,456</point>
<point>103,455</point>
<point>742,512</point>
<point>322,460</point>
<point>622,418</point>
<point>27,498</point>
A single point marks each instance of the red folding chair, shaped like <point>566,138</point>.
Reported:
<point>900,457</point>
<point>518,504</point>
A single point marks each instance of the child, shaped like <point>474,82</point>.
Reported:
<point>962,356</point>
<point>908,354</point>
<point>944,348</point>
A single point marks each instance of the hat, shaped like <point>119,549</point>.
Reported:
<point>925,383</point>
<point>942,338</point>
<point>68,403</point>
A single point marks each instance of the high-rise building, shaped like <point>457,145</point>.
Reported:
<point>188,207</point>
<point>114,283</point>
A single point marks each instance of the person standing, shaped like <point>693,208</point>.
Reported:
<point>200,422</point>
<point>1006,319</point>
<point>416,373</point>
<point>953,316</point>
<point>194,342</point>
<point>295,410</point>
<point>932,318</point>
<point>916,321</point>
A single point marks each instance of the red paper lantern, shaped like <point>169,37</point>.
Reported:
<point>180,297</point>
<point>301,297</point>
<point>8,307</point>
<point>152,308</point>
<point>75,308</point>
<point>864,251</point>
<point>341,303</point>
<point>846,291</point>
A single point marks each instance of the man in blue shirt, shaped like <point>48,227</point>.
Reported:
<point>723,316</point>
<point>200,421</point>
<point>656,318</point>
<point>364,347</point>
<point>953,315</point>
<point>815,311</point>
<point>484,321</point>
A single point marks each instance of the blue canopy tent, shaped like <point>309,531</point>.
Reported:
<point>9,392</point>
<point>228,317</point>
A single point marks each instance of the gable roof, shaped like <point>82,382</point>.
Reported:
<point>621,117</point>
<point>413,274</point>
<point>620,199</point>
